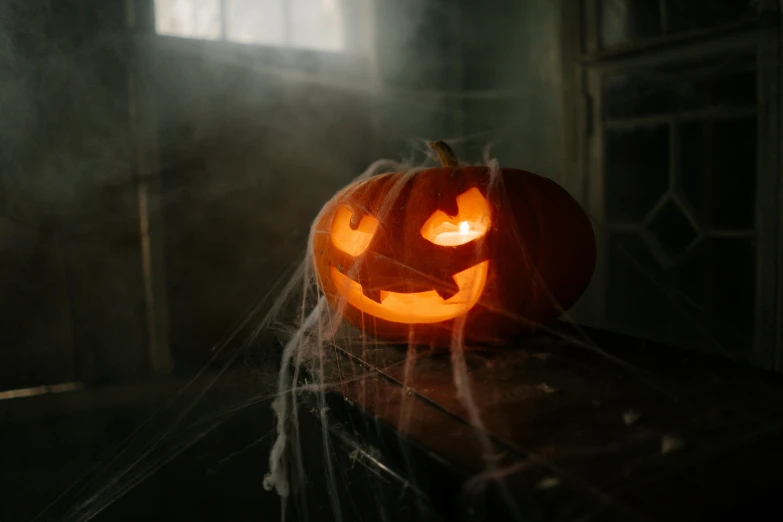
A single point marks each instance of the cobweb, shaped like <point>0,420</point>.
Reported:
<point>324,365</point>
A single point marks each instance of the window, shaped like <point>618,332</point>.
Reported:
<point>301,24</point>
<point>680,162</point>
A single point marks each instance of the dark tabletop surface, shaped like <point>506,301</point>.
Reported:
<point>582,425</point>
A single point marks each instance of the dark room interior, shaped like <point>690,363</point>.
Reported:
<point>169,350</point>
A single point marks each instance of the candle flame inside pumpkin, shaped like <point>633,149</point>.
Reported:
<point>471,222</point>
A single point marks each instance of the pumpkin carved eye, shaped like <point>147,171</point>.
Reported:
<point>471,222</point>
<point>352,241</point>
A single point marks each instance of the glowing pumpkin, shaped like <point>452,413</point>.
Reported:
<point>403,256</point>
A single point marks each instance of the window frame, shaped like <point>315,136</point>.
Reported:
<point>585,63</point>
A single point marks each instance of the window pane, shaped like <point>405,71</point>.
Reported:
<point>317,24</point>
<point>174,17</point>
<point>684,16</point>
<point>712,292</point>
<point>637,171</point>
<point>734,284</point>
<point>188,18</point>
<point>256,21</point>
<point>691,86</point>
<point>718,171</point>
<point>207,19</point>
<point>636,301</point>
<point>671,230</point>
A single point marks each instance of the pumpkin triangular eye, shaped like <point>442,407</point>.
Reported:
<point>471,222</point>
<point>352,240</point>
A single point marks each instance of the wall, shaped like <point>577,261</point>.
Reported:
<point>72,305</point>
<point>514,47</point>
<point>477,74</point>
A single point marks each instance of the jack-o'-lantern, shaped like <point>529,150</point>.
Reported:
<point>408,256</point>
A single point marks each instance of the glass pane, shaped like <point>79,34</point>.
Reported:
<point>636,171</point>
<point>683,16</point>
<point>635,301</point>
<point>734,291</point>
<point>207,19</point>
<point>718,171</point>
<point>173,17</point>
<point>627,21</point>
<point>681,88</point>
<point>630,94</point>
<point>256,22</point>
<point>689,278</point>
<point>671,229</point>
<point>317,24</point>
<point>188,18</point>
<point>709,299</point>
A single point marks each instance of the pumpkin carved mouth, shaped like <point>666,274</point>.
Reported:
<point>417,307</point>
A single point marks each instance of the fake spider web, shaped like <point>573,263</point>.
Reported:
<point>323,361</point>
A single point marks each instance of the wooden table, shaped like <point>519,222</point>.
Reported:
<point>584,425</point>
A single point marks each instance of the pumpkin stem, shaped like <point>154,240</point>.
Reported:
<point>445,154</point>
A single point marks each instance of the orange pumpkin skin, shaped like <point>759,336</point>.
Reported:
<point>540,247</point>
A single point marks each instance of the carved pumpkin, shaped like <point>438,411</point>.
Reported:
<point>405,256</point>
